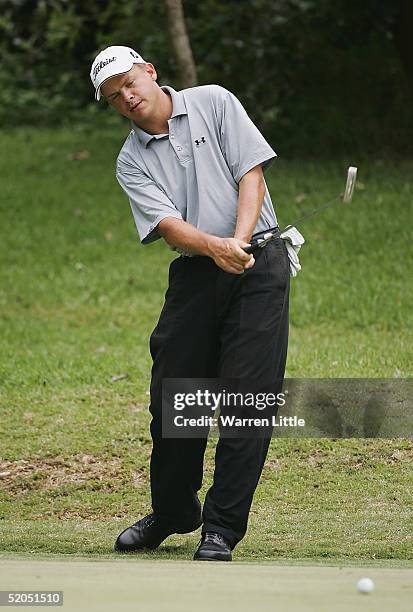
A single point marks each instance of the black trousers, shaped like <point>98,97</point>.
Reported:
<point>216,325</point>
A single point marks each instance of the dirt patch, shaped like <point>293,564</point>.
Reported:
<point>272,465</point>
<point>19,477</point>
<point>368,457</point>
<point>317,458</point>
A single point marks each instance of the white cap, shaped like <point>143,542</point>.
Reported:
<point>111,62</point>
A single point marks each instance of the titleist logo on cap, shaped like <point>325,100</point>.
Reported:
<point>101,65</point>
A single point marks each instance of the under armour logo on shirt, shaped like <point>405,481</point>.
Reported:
<point>199,141</point>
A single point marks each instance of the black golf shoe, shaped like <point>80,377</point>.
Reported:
<point>150,531</point>
<point>213,547</point>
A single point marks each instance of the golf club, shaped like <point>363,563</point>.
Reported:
<point>346,197</point>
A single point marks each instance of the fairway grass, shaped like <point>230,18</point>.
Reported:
<point>79,297</point>
<point>181,587</point>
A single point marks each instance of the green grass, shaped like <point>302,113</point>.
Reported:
<point>79,298</point>
<point>161,585</point>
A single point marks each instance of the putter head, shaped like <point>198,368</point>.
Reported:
<point>351,181</point>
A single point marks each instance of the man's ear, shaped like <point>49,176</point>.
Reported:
<point>151,71</point>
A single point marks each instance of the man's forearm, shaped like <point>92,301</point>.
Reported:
<point>183,235</point>
<point>250,197</point>
<point>227,253</point>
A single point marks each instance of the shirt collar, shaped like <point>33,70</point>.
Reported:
<point>178,108</point>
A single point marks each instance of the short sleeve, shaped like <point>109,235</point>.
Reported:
<point>243,145</point>
<point>148,202</point>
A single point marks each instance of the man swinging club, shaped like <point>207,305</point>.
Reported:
<point>192,168</point>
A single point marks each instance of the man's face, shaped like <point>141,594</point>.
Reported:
<point>133,94</point>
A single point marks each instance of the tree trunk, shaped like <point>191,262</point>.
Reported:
<point>181,44</point>
<point>404,38</point>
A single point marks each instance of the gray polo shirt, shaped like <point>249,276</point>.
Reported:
<point>193,172</point>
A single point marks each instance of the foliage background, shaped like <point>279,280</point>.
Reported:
<point>320,78</point>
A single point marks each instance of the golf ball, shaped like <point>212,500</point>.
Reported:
<point>365,585</point>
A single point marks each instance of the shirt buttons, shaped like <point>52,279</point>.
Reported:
<point>179,148</point>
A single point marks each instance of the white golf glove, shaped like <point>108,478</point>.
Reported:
<point>293,241</point>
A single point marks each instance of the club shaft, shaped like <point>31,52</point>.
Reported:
<point>315,211</point>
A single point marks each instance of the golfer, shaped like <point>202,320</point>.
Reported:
<point>192,167</point>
